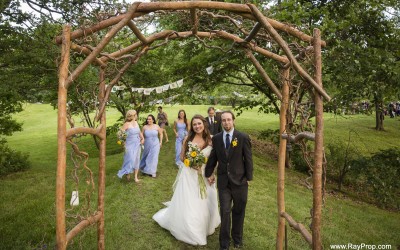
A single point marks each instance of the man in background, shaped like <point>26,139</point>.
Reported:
<point>214,124</point>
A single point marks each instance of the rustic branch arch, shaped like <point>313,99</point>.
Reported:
<point>97,57</point>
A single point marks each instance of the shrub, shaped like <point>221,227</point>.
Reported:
<point>12,161</point>
<point>379,176</point>
<point>294,152</point>
<point>339,157</point>
<point>113,129</point>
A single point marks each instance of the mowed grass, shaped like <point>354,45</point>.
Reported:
<point>27,207</point>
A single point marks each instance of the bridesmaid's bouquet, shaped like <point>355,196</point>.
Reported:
<point>121,134</point>
<point>194,159</point>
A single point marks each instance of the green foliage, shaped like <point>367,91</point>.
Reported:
<point>297,160</point>
<point>270,135</point>
<point>9,104</point>
<point>379,176</point>
<point>295,156</point>
<point>113,129</point>
<point>12,161</point>
<point>362,42</point>
<point>339,156</point>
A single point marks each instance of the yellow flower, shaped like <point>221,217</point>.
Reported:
<point>234,143</point>
<point>205,159</point>
<point>119,142</point>
<point>186,162</point>
<point>193,154</point>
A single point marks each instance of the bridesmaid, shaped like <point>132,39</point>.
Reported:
<point>132,146</point>
<point>152,145</point>
<point>181,129</point>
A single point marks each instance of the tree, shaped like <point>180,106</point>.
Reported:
<point>361,61</point>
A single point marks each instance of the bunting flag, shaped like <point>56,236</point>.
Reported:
<point>210,70</point>
<point>165,87</point>
<point>159,90</point>
<point>180,83</point>
<point>238,94</point>
<point>147,91</point>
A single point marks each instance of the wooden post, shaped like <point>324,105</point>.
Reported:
<point>281,159</point>
<point>62,139</point>
<point>195,20</point>
<point>102,166</point>
<point>319,147</point>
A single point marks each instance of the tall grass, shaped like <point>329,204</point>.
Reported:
<point>27,207</point>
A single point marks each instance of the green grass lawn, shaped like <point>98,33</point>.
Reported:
<point>27,207</point>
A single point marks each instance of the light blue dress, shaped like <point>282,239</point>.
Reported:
<point>132,152</point>
<point>182,132</point>
<point>149,162</point>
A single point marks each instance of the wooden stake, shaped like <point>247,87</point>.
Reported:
<point>281,159</point>
<point>319,147</point>
<point>62,139</point>
<point>195,20</point>
<point>102,167</point>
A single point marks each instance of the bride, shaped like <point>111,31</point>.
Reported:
<point>189,217</point>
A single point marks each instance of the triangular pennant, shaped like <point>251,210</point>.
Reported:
<point>147,91</point>
<point>159,90</point>
<point>180,83</point>
<point>210,70</point>
<point>165,87</point>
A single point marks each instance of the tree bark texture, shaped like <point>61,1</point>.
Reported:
<point>285,76</point>
<point>62,140</point>
<point>318,148</point>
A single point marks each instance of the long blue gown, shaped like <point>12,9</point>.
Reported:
<point>132,152</point>
<point>149,162</point>
<point>182,132</point>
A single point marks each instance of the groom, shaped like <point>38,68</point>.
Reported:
<point>232,151</point>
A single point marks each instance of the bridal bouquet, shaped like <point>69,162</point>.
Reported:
<point>121,134</point>
<point>194,159</point>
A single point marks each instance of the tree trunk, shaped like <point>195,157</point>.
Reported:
<point>379,115</point>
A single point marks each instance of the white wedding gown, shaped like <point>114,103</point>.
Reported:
<point>187,216</point>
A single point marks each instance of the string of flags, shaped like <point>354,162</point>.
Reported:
<point>147,91</point>
<point>159,89</point>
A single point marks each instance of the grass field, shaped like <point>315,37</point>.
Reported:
<point>27,207</point>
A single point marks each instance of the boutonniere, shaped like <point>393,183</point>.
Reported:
<point>215,122</point>
<point>235,142</point>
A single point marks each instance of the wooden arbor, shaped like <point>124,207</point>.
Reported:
<point>96,56</point>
